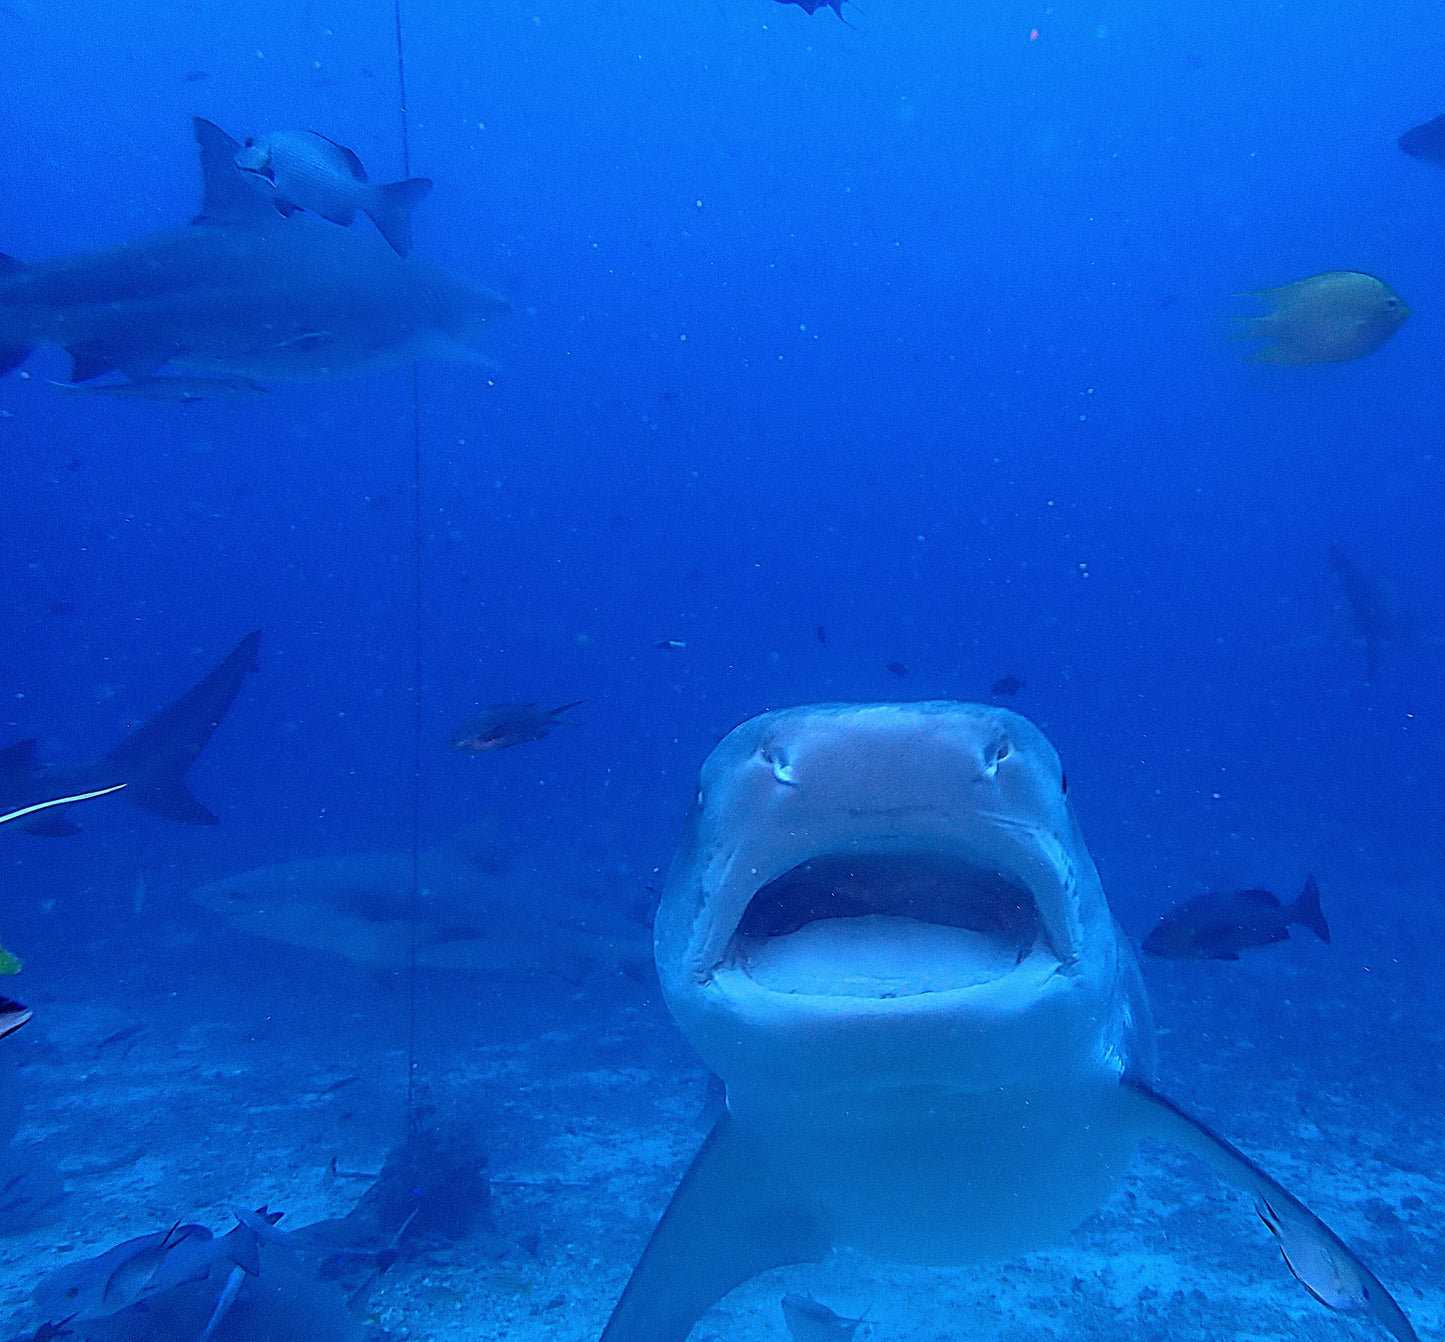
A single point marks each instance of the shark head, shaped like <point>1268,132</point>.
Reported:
<point>893,895</point>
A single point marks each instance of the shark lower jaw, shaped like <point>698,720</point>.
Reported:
<point>915,928</point>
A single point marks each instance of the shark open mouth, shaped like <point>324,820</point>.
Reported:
<point>885,925</point>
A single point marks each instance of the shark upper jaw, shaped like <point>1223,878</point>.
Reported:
<point>850,864</point>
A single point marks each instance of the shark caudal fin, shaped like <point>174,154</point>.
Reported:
<point>153,759</point>
<point>391,211</point>
<point>729,1220</point>
<point>1306,911</point>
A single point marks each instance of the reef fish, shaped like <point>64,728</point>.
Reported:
<point>504,725</point>
<point>1342,314</point>
<point>883,931</point>
<point>305,171</point>
<point>1218,926</point>
<point>810,1321</point>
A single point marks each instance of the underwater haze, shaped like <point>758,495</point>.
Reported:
<point>890,354</point>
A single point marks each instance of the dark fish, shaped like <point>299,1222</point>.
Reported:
<point>1006,685</point>
<point>150,764</point>
<point>504,725</point>
<point>1219,926</point>
<point>12,1016</point>
<point>809,1321</point>
<point>1426,142</point>
<point>670,644</point>
<point>1368,607</point>
<point>897,668</point>
<point>813,6</point>
<point>822,634</point>
<point>62,607</point>
<point>196,76</point>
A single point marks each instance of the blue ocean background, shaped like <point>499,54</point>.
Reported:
<point>910,329</point>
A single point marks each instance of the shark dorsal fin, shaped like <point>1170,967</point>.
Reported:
<point>226,196</point>
<point>19,758</point>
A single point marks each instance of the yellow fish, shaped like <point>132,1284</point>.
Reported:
<point>1342,314</point>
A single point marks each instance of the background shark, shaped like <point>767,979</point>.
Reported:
<point>149,766</point>
<point>241,292</point>
<point>883,931</point>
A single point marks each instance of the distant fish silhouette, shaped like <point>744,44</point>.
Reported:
<point>1368,607</point>
<point>504,725</point>
<point>813,6</point>
<point>897,668</point>
<point>1426,142</point>
<point>1006,685</point>
<point>1219,926</point>
<point>809,1321</point>
<point>822,634</point>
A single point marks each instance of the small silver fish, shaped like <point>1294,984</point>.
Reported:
<point>808,1321</point>
<point>306,171</point>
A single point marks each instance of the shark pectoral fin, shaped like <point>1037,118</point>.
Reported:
<point>1323,1263</point>
<point>730,1219</point>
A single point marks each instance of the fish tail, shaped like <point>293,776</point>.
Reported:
<point>1306,911</point>
<point>391,211</point>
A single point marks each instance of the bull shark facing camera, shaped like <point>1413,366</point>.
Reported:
<point>883,931</point>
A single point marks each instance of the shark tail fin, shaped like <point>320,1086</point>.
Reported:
<point>1306,911</point>
<point>154,758</point>
<point>391,212</point>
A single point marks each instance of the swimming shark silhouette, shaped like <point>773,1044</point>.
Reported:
<point>148,768</point>
<point>241,292</point>
<point>883,931</point>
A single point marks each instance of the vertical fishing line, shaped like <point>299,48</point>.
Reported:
<point>414,900</point>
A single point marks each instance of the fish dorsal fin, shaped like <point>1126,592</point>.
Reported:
<point>353,164</point>
<point>19,758</point>
<point>1262,898</point>
<point>226,196</point>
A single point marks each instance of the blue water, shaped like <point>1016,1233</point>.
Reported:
<point>909,328</point>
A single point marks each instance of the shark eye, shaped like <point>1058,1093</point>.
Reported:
<point>777,761</point>
<point>997,753</point>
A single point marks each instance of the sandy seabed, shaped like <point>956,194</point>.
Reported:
<point>175,1090</point>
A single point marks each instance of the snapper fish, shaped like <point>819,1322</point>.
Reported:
<point>305,171</point>
<point>1328,318</point>
<point>504,725</point>
<point>1219,926</point>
